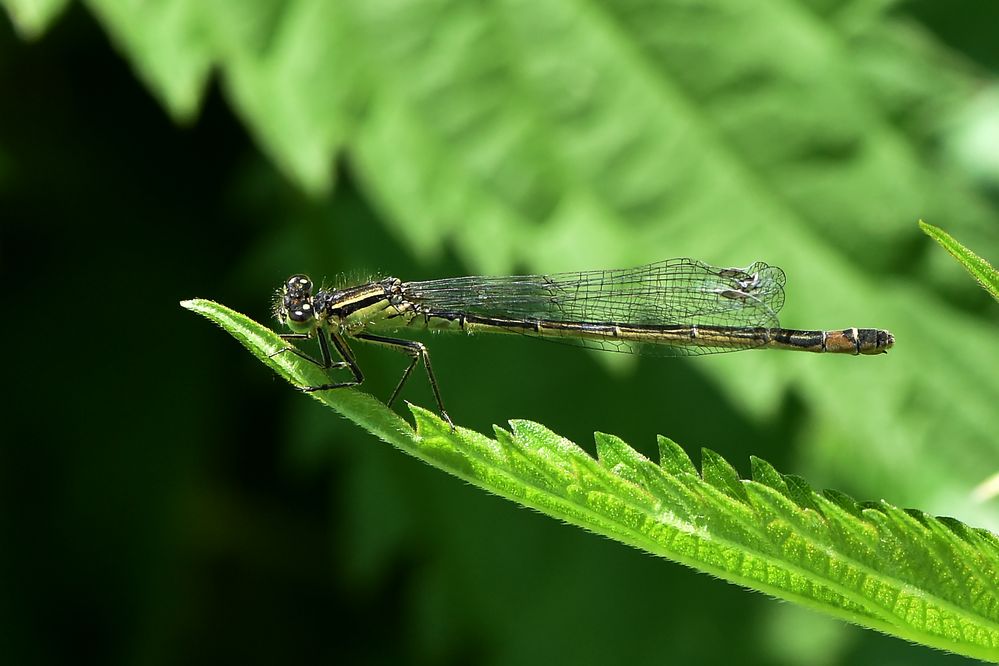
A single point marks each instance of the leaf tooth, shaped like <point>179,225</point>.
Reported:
<point>614,454</point>
<point>436,433</point>
<point>628,463</point>
<point>647,481</point>
<point>848,533</point>
<point>569,468</point>
<point>673,459</point>
<point>800,492</point>
<point>843,501</point>
<point>768,502</point>
<point>550,449</point>
<point>920,517</point>
<point>907,524</point>
<point>773,506</point>
<point>765,473</point>
<point>960,530</point>
<point>612,450</point>
<point>537,471</point>
<point>429,424</point>
<point>717,471</point>
<point>973,576</point>
<point>970,545</point>
<point>541,440</point>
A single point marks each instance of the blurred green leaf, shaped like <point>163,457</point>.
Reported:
<point>979,268</point>
<point>654,116</point>
<point>168,44</point>
<point>288,67</point>
<point>33,17</point>
<point>908,574</point>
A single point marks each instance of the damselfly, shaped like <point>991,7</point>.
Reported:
<point>669,308</point>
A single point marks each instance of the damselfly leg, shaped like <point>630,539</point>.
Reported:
<point>327,363</point>
<point>417,351</point>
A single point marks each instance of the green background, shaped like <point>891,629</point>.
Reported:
<point>165,500</point>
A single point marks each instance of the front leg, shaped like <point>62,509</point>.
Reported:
<point>348,362</point>
<point>326,364</point>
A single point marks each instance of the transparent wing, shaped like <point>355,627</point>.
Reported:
<point>675,292</point>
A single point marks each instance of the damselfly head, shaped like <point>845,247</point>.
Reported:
<point>294,304</point>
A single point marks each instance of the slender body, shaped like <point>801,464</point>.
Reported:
<point>674,307</point>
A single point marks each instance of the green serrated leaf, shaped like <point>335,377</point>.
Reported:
<point>928,580</point>
<point>979,268</point>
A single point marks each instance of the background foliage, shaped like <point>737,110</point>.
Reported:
<point>185,506</point>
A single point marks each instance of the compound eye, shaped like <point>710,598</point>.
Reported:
<point>295,305</point>
<point>299,311</point>
<point>298,286</point>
